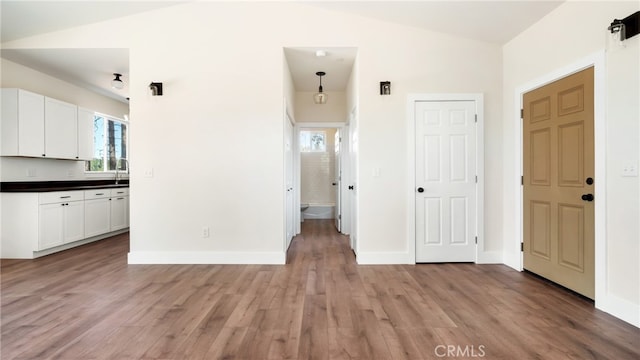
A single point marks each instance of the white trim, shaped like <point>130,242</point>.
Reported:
<point>206,257</point>
<point>622,309</point>
<point>490,257</point>
<point>385,258</point>
<point>478,98</point>
<point>514,258</point>
<point>37,254</point>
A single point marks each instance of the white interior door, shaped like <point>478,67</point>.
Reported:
<point>289,198</point>
<point>445,181</point>
<point>337,182</point>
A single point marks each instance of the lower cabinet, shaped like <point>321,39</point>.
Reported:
<point>106,210</point>
<point>97,216</point>
<point>119,213</point>
<point>35,224</point>
<point>61,219</point>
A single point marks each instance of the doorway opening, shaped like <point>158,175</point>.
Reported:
<point>318,158</point>
<point>321,174</point>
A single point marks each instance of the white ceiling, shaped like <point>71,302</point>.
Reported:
<point>337,64</point>
<point>489,21</point>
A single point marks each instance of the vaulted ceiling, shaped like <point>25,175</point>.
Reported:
<point>489,21</point>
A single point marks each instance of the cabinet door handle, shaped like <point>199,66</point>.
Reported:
<point>65,197</point>
<point>99,194</point>
<point>120,192</point>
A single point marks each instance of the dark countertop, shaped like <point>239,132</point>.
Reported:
<point>48,186</point>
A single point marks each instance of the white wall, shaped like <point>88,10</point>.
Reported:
<point>18,76</point>
<point>557,41</point>
<point>214,140</point>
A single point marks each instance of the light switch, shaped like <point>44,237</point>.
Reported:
<point>630,170</point>
<point>376,172</point>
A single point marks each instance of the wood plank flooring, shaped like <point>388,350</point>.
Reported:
<point>87,303</point>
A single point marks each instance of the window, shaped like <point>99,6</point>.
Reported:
<point>110,140</point>
<point>313,141</point>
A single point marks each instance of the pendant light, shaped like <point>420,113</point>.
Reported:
<point>117,83</point>
<point>320,97</point>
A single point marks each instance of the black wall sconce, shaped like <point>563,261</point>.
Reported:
<point>385,87</point>
<point>156,88</point>
<point>627,27</point>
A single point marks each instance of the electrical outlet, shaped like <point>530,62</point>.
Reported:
<point>205,231</point>
<point>148,172</point>
<point>31,172</point>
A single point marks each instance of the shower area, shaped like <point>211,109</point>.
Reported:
<point>318,181</point>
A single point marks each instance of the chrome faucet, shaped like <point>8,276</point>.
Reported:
<point>122,162</point>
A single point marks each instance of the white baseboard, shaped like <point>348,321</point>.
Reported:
<point>383,258</point>
<point>490,257</point>
<point>512,260</point>
<point>206,257</point>
<point>37,254</point>
<point>622,309</point>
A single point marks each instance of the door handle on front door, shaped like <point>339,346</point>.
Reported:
<point>420,190</point>
<point>587,197</point>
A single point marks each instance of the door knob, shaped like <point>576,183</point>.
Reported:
<point>350,187</point>
<point>420,190</point>
<point>334,184</point>
<point>587,197</point>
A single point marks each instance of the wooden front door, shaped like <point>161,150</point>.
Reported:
<point>558,182</point>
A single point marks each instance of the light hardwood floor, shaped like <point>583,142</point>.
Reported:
<point>87,303</point>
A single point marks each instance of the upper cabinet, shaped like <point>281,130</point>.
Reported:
<point>34,125</point>
<point>60,129</point>
<point>22,123</point>
<point>85,134</point>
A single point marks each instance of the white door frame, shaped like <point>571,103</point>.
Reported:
<point>296,163</point>
<point>597,60</point>
<point>411,161</point>
<point>288,118</point>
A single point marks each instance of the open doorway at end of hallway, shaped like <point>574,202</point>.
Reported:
<point>320,174</point>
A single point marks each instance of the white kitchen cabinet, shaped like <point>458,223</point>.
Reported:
<point>22,127</point>
<point>61,218</point>
<point>97,212</point>
<point>34,125</point>
<point>34,224</point>
<point>85,134</point>
<point>51,226</point>
<point>60,129</point>
<point>119,212</point>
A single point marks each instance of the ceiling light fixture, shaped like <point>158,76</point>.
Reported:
<point>320,97</point>
<point>117,83</point>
